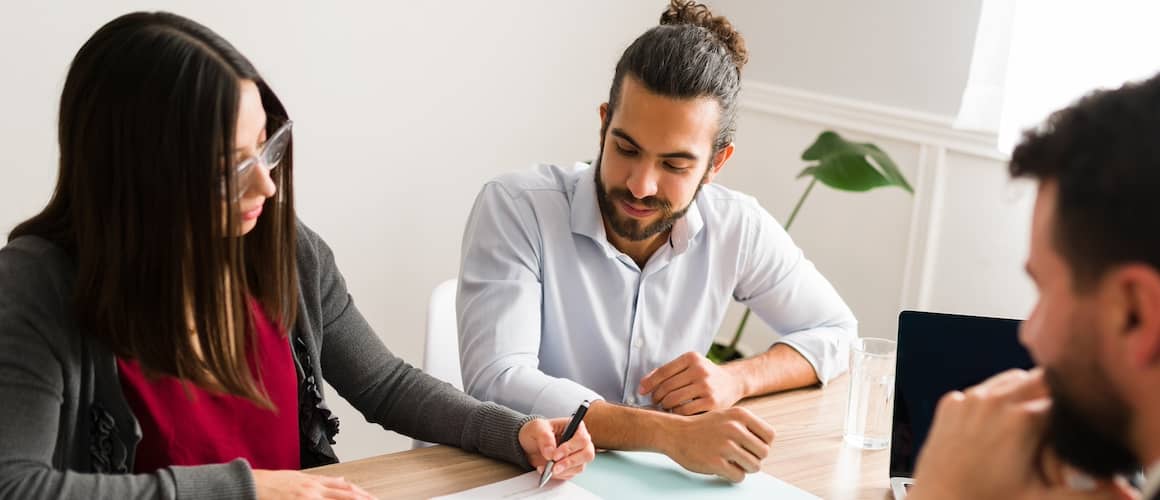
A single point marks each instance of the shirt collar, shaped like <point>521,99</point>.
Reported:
<point>587,220</point>
<point>1152,481</point>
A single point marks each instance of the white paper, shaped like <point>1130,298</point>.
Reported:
<point>524,486</point>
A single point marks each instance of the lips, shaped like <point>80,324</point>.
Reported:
<point>636,212</point>
<point>252,214</point>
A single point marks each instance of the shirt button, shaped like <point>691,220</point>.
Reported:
<point>637,342</point>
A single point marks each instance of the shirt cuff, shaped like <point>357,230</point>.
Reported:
<point>805,353</point>
<point>561,398</point>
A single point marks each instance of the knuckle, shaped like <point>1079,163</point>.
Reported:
<point>951,399</point>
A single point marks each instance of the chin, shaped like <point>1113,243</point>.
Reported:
<point>246,226</point>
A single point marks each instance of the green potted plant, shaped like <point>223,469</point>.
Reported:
<point>840,164</point>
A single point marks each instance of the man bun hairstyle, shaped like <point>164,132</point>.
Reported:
<point>691,54</point>
<point>690,12</point>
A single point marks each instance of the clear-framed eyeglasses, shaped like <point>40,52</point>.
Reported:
<point>269,156</point>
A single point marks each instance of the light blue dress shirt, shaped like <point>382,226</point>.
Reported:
<point>551,314</point>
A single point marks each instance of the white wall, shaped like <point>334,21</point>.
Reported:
<point>891,72</point>
<point>910,54</point>
<point>402,111</point>
<point>957,245</point>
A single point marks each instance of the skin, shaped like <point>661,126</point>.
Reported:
<point>997,430</point>
<point>656,147</point>
<point>538,438</point>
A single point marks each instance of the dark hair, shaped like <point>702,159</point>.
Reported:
<point>691,54</point>
<point>146,132</point>
<point>1103,152</point>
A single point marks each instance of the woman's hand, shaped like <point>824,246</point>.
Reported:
<point>539,438</point>
<point>280,484</point>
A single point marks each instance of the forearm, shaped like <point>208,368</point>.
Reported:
<point>780,368</point>
<point>615,427</point>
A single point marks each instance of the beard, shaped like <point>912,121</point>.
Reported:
<point>1092,437</point>
<point>627,227</point>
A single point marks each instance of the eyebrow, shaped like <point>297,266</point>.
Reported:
<point>677,154</point>
<point>243,148</point>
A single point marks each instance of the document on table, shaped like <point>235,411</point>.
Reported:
<point>638,474</point>
<point>634,475</point>
<point>524,486</point>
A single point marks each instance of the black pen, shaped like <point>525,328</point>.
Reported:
<point>568,432</point>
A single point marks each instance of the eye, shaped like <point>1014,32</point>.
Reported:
<point>673,168</point>
<point>625,152</point>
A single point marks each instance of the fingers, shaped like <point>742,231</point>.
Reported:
<point>579,441</point>
<point>1004,382</point>
<point>686,381</point>
<point>650,382</point>
<point>574,455</point>
<point>678,397</point>
<point>544,437</point>
<point>760,428</point>
<point>694,407</point>
<point>337,483</point>
<point>333,494</point>
<point>1032,386</point>
<point>742,437</point>
<point>731,471</point>
<point>338,488</point>
<point>743,458</point>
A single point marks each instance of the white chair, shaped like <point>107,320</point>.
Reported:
<point>441,350</point>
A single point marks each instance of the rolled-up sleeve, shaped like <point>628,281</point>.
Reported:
<point>499,309</point>
<point>786,291</point>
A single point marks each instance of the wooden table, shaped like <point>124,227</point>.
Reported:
<point>808,453</point>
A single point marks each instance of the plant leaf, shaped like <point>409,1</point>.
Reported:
<point>851,166</point>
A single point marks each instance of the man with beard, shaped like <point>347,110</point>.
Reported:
<point>1093,401</point>
<point>607,283</point>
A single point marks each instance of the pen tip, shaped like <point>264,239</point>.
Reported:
<point>547,474</point>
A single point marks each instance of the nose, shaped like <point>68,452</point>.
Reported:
<point>642,182</point>
<point>262,184</point>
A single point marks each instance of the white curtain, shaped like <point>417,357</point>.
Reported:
<point>1035,56</point>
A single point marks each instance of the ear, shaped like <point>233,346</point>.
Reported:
<point>603,120</point>
<point>718,162</point>
<point>1138,285</point>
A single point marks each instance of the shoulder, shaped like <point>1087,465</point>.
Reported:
<point>543,178</point>
<point>36,280</point>
<point>720,205</point>
<point>314,257</point>
<point>34,267</point>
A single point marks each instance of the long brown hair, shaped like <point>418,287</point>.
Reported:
<point>147,127</point>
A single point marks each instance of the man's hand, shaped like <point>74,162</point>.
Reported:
<point>539,437</point>
<point>729,443</point>
<point>692,384</point>
<point>988,442</point>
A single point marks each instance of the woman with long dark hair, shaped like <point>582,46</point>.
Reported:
<point>166,321</point>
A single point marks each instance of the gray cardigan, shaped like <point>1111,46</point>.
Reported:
<point>66,430</point>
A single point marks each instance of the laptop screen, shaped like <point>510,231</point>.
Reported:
<point>939,353</point>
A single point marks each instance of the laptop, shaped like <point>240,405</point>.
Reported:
<point>939,353</point>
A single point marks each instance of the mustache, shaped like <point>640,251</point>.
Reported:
<point>650,202</point>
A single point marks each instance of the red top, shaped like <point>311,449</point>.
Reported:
<point>202,427</point>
